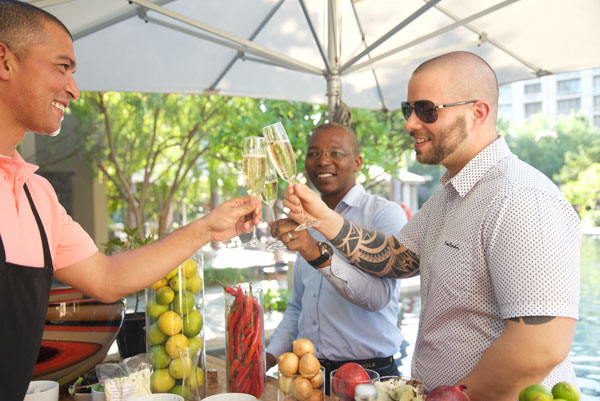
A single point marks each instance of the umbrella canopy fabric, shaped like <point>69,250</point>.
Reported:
<point>315,50</point>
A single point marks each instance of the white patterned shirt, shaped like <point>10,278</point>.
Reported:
<point>496,241</point>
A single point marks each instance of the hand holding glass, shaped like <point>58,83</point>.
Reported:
<point>254,168</point>
<point>282,155</point>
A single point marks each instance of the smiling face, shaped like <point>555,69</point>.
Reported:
<point>38,85</point>
<point>332,176</point>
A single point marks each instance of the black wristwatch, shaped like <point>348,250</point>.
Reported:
<point>326,254</point>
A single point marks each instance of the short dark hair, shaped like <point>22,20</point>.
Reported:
<point>350,131</point>
<point>23,25</point>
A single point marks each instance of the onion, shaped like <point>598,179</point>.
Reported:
<point>448,393</point>
<point>317,380</point>
<point>303,346</point>
<point>285,383</point>
<point>301,389</point>
<point>288,363</point>
<point>316,395</point>
<point>309,365</point>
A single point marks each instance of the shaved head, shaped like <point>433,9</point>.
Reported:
<point>352,139</point>
<point>471,77</point>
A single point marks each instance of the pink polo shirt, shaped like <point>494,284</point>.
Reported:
<point>69,243</point>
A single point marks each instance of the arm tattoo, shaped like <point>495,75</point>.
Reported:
<point>374,252</point>
<point>532,319</point>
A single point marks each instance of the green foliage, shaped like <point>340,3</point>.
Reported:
<point>276,299</point>
<point>133,240</point>
<point>584,194</point>
<point>229,275</point>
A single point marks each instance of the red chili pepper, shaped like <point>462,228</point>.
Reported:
<point>232,369</point>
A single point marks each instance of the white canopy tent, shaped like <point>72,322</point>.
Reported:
<point>308,50</point>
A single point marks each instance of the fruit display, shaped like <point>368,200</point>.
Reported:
<point>245,340</point>
<point>174,335</point>
<point>399,389</point>
<point>345,379</point>
<point>448,393</point>
<point>561,391</point>
<point>301,376</point>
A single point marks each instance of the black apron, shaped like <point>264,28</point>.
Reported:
<point>24,294</point>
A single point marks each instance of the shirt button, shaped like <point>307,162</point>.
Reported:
<point>314,322</point>
<point>5,178</point>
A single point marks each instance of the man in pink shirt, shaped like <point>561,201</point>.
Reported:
<point>37,237</point>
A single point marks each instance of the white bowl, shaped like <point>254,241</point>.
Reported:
<point>160,397</point>
<point>42,390</point>
<point>230,397</point>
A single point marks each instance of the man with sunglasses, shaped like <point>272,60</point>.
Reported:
<point>333,304</point>
<point>497,245</point>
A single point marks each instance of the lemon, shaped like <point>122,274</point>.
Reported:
<point>175,343</point>
<point>189,268</point>
<point>565,391</point>
<point>192,323</point>
<point>154,309</point>
<point>155,335</point>
<point>180,367</point>
<point>160,283</point>
<point>184,302</point>
<point>164,295</point>
<point>178,283</point>
<point>194,283</point>
<point>170,323</point>
<point>157,354</point>
<point>172,273</point>
<point>198,381</point>
<point>161,381</point>
<point>537,392</point>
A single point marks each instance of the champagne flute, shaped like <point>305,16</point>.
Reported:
<point>269,196</point>
<point>281,154</point>
<point>254,168</point>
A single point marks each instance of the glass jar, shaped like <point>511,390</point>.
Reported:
<point>298,387</point>
<point>245,340</point>
<point>174,321</point>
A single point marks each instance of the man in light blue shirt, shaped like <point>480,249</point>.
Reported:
<point>333,304</point>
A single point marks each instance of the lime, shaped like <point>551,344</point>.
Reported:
<point>160,283</point>
<point>157,354</point>
<point>189,268</point>
<point>155,335</point>
<point>154,309</point>
<point>170,323</point>
<point>161,381</point>
<point>180,367</point>
<point>565,391</point>
<point>183,391</point>
<point>164,295</point>
<point>194,283</point>
<point>183,303</point>
<point>537,392</point>
<point>192,323</point>
<point>198,381</point>
<point>522,395</point>
<point>175,343</point>
<point>178,283</point>
<point>195,344</point>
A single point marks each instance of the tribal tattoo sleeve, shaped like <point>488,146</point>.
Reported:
<point>374,252</point>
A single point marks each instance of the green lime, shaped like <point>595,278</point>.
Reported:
<point>198,381</point>
<point>178,283</point>
<point>537,392</point>
<point>183,303</point>
<point>164,295</point>
<point>155,335</point>
<point>195,344</point>
<point>192,323</point>
<point>161,381</point>
<point>157,354</point>
<point>154,309</point>
<point>183,391</point>
<point>565,391</point>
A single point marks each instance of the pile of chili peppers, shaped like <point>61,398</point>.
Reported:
<point>245,344</point>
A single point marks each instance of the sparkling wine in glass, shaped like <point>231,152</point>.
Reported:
<point>254,169</point>
<point>269,196</point>
<point>282,156</point>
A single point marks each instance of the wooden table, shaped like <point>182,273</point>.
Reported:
<point>270,393</point>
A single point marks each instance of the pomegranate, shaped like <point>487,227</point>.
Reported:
<point>448,393</point>
<point>346,378</point>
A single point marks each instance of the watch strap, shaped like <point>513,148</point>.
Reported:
<point>324,257</point>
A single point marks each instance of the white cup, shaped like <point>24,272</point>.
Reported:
<point>160,397</point>
<point>42,390</point>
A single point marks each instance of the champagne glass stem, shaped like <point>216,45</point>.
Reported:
<point>277,245</point>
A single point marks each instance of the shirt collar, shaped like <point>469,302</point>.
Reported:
<point>477,167</point>
<point>17,164</point>
<point>353,196</point>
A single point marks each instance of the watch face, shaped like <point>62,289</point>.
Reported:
<point>325,249</point>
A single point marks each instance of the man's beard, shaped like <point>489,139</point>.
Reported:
<point>445,142</point>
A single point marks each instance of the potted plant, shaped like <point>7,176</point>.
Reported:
<point>131,339</point>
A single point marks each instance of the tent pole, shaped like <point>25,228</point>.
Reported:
<point>334,88</point>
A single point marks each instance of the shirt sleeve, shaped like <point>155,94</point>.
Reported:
<point>287,330</point>
<point>363,289</point>
<point>74,244</point>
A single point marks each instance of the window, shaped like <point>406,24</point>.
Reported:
<point>532,109</point>
<point>531,89</point>
<point>567,86</point>
<point>597,83</point>
<point>568,106</point>
<point>505,94</point>
<point>596,103</point>
<point>505,111</point>
<point>597,121</point>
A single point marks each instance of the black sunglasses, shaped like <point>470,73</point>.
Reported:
<point>426,110</point>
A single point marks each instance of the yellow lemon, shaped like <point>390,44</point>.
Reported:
<point>194,283</point>
<point>189,268</point>
<point>198,381</point>
<point>178,283</point>
<point>170,323</point>
<point>175,343</point>
<point>180,367</point>
<point>161,381</point>
<point>172,273</point>
<point>164,295</point>
<point>160,283</point>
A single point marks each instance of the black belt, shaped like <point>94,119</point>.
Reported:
<point>374,363</point>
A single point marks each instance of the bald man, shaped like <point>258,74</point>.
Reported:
<point>497,245</point>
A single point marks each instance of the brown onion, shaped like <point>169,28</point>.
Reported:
<point>288,363</point>
<point>285,383</point>
<point>309,365</point>
<point>316,395</point>
<point>303,346</point>
<point>317,380</point>
<point>301,389</point>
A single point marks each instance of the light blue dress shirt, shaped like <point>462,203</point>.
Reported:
<point>346,313</point>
